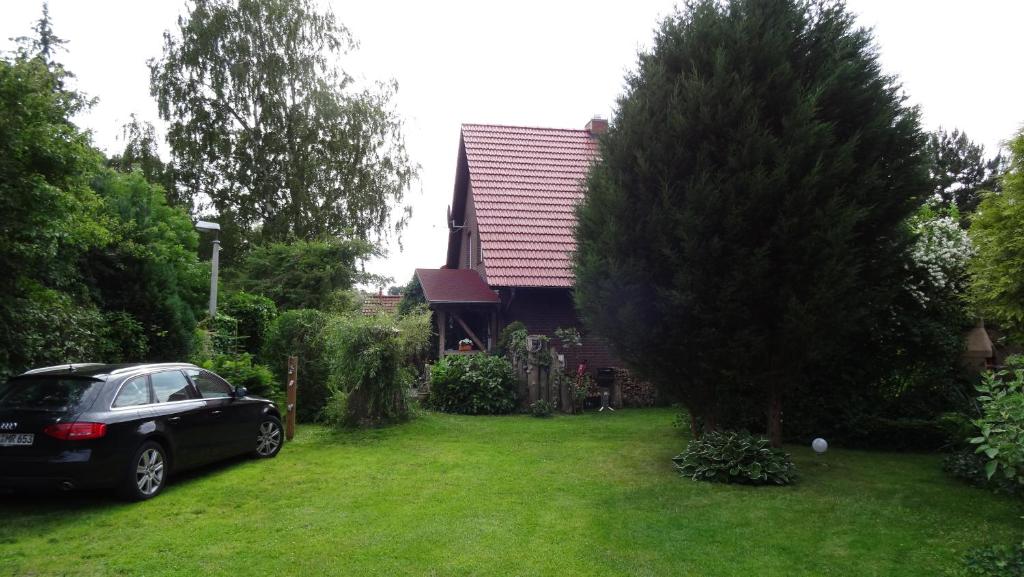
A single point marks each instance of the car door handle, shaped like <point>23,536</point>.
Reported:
<point>217,412</point>
<point>174,419</point>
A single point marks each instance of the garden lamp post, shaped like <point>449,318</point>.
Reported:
<point>820,446</point>
<point>205,226</point>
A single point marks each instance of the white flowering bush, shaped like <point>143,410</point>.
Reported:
<point>941,253</point>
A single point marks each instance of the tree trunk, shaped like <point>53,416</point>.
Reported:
<point>694,429</point>
<point>710,421</point>
<point>775,419</point>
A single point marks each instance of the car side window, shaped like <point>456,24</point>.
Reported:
<point>210,385</point>
<point>170,386</point>
<point>134,392</point>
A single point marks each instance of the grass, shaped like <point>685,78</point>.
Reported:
<point>449,495</point>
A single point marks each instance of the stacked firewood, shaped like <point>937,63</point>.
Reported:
<point>635,393</point>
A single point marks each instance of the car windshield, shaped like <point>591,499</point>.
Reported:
<point>50,393</point>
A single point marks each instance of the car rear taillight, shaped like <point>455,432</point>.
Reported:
<point>76,431</point>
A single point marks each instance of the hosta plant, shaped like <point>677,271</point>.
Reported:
<point>735,457</point>
<point>995,561</point>
<point>969,467</point>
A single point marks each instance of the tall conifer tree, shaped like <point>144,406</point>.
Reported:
<point>742,235</point>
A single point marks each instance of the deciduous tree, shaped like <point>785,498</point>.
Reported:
<point>48,218</point>
<point>96,265</point>
<point>302,274</point>
<point>997,288</point>
<point>270,132</point>
<point>141,152</point>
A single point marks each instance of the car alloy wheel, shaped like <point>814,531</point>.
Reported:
<point>149,471</point>
<point>268,439</point>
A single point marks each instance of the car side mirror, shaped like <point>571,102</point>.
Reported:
<point>241,392</point>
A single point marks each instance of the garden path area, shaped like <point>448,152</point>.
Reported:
<point>574,495</point>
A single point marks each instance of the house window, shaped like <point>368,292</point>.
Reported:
<point>469,247</point>
<point>479,250</point>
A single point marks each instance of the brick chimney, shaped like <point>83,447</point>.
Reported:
<point>597,126</point>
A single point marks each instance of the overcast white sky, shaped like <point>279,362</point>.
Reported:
<point>546,63</point>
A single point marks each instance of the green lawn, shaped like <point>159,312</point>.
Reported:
<point>449,495</point>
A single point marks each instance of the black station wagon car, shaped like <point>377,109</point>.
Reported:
<point>126,426</point>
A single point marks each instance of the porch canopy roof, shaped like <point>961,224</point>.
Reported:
<point>455,286</point>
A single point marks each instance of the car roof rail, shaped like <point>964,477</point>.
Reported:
<point>66,366</point>
<point>147,366</point>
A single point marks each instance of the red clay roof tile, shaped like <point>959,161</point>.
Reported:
<point>526,183</point>
<point>460,285</point>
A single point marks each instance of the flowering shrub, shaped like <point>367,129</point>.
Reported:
<point>941,251</point>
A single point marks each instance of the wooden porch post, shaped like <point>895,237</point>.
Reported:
<point>442,322</point>
<point>492,332</point>
<point>476,340</point>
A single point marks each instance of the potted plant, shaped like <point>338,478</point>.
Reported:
<point>465,345</point>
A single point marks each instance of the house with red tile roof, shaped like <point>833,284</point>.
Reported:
<point>374,304</point>
<point>511,235</point>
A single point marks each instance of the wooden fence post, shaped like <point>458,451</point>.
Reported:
<point>293,377</point>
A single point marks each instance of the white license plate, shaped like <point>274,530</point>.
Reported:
<point>16,439</point>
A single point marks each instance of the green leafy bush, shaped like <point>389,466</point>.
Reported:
<point>473,385</point>
<point>88,255</point>
<point>241,371</point>
<point>254,314</point>
<point>343,302</point>
<point>299,332</point>
<point>1001,426</point>
<point>49,327</point>
<point>126,338</point>
<point>735,457</point>
<point>541,408</point>
<point>212,337</point>
<point>512,341</point>
<point>412,297</point>
<point>302,274</point>
<point>995,561</point>
<point>335,410</point>
<point>151,267</point>
<point>905,434</point>
<point>368,360</point>
<point>959,428</point>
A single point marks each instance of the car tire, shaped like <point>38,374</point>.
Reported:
<point>269,438</point>
<point>146,475</point>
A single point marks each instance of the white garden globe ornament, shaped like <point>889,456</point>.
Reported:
<point>819,445</point>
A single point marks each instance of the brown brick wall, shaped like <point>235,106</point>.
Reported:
<point>543,311</point>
